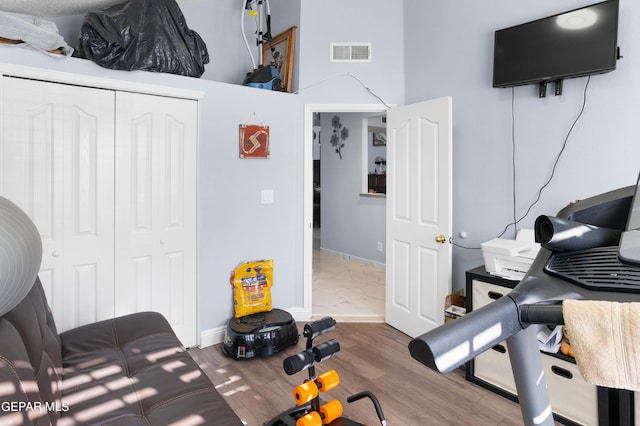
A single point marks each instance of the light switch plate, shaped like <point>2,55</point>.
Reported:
<point>266,196</point>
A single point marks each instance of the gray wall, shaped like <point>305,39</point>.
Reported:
<point>351,224</point>
<point>353,21</point>
<point>424,50</point>
<point>451,53</point>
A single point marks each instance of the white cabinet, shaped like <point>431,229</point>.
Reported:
<point>570,395</point>
<point>109,178</point>
<point>573,400</point>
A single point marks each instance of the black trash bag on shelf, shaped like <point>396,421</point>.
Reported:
<point>147,35</point>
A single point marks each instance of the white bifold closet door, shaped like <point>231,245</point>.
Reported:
<point>109,178</point>
<point>155,250</point>
<point>57,159</point>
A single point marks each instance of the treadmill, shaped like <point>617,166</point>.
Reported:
<point>589,251</point>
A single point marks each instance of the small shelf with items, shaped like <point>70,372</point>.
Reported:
<point>573,400</point>
<point>378,179</point>
<point>377,184</point>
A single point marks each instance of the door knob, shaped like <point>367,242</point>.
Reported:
<point>441,239</point>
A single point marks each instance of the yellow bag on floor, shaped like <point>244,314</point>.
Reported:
<point>251,283</point>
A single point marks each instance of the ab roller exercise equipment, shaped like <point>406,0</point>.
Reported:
<point>310,409</point>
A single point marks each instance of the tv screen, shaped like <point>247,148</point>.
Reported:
<point>570,44</point>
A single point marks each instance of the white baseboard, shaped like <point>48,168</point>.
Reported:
<point>300,314</point>
<point>212,336</point>
<point>353,258</point>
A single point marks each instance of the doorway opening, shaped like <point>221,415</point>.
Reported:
<point>329,260</point>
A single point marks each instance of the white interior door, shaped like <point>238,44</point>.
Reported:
<point>418,261</point>
<point>56,156</point>
<point>156,143</point>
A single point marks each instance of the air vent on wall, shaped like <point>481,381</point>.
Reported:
<point>350,52</point>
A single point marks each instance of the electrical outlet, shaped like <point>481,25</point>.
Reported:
<point>379,246</point>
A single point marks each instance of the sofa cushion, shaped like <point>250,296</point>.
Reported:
<point>132,370</point>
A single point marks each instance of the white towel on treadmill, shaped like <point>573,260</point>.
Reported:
<point>605,337</point>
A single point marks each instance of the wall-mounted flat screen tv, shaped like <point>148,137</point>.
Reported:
<point>571,44</point>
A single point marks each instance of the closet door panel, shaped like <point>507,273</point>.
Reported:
<point>31,161</point>
<point>88,218</point>
<point>178,219</point>
<point>57,165</point>
<point>156,145</point>
<point>30,166</point>
<point>141,173</point>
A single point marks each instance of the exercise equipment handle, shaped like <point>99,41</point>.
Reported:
<point>303,360</point>
<point>452,344</point>
<point>372,397</point>
<point>538,313</point>
<point>321,326</point>
<point>298,362</point>
<point>325,350</point>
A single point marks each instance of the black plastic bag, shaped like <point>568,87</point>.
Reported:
<point>147,35</point>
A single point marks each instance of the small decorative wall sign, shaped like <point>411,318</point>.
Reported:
<point>254,141</point>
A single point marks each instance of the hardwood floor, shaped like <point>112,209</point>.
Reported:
<point>373,357</point>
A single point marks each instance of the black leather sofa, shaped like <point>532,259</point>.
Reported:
<point>130,370</point>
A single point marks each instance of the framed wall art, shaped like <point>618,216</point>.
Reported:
<point>279,53</point>
<point>254,141</point>
<point>379,139</point>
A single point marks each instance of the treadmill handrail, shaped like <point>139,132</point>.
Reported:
<point>451,345</point>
